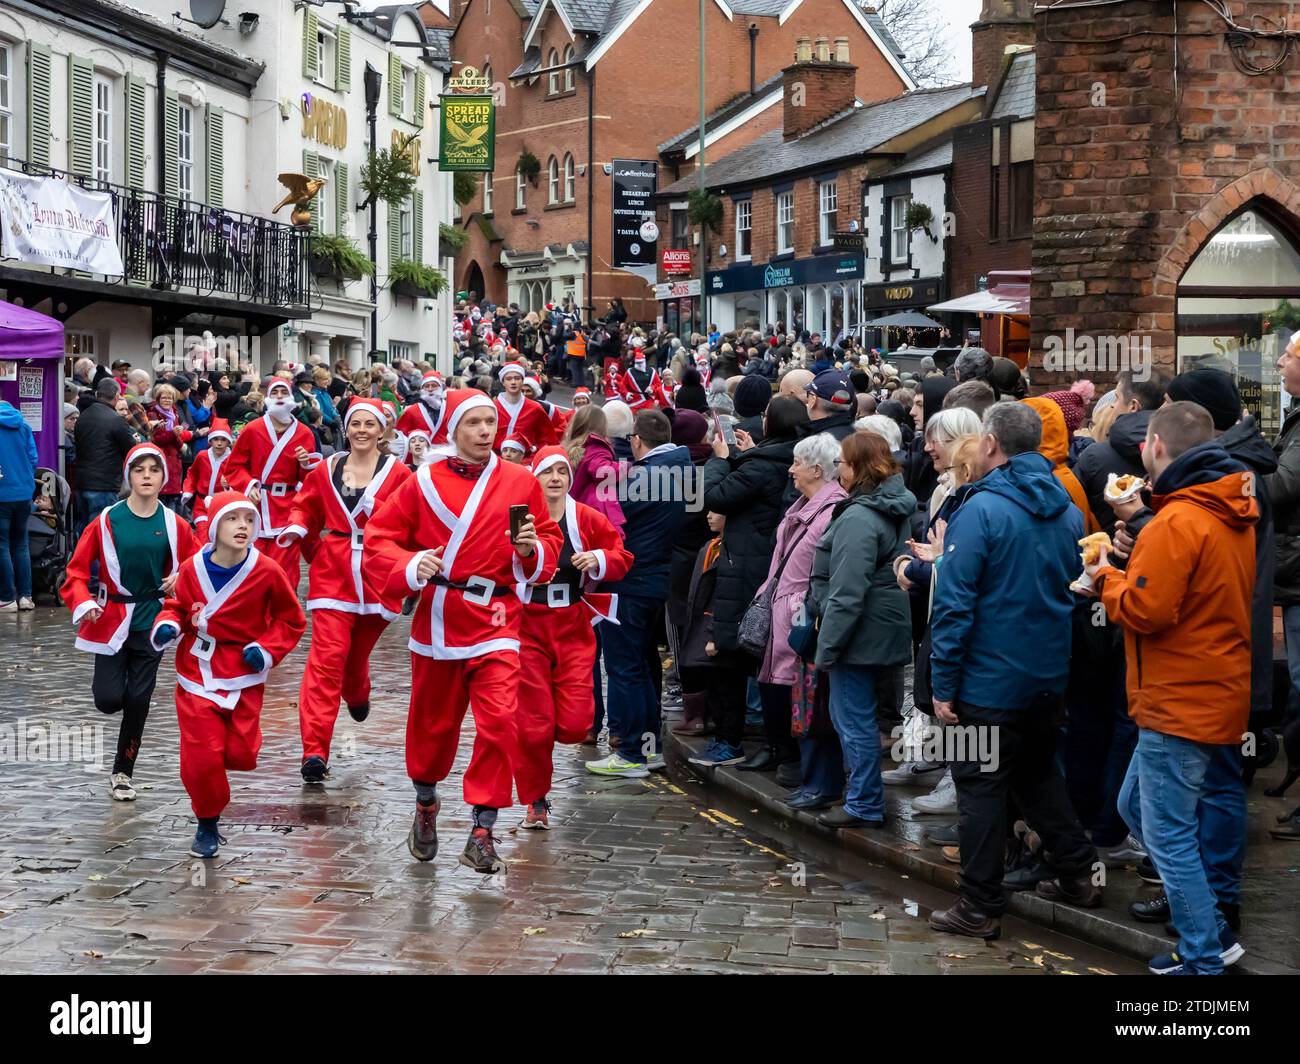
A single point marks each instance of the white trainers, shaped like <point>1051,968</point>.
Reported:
<point>943,799</point>
<point>616,766</point>
<point>913,773</point>
<point>656,763</point>
<point>26,604</point>
<point>1128,852</point>
<point>121,788</point>
<point>8,607</point>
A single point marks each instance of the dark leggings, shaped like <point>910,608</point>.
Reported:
<point>124,683</point>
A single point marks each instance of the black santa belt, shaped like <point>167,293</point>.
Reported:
<point>105,597</point>
<point>557,594</point>
<point>477,589</point>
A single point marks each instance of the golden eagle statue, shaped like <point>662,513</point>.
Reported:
<point>302,190</point>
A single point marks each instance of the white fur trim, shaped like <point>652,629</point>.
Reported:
<point>286,537</point>
<point>413,580</point>
<point>550,460</point>
<point>473,402</point>
<point>82,609</point>
<point>599,574</point>
<point>215,519</point>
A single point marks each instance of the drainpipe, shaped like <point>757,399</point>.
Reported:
<point>753,42</point>
<point>160,59</point>
<point>591,184</point>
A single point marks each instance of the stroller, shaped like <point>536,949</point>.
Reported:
<point>49,534</point>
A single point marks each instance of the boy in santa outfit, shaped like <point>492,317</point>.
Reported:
<point>559,418</point>
<point>205,478</point>
<point>235,617</point>
<point>641,387</point>
<point>517,415</point>
<point>139,545</point>
<point>337,500</point>
<point>267,464</point>
<point>610,380</point>
<point>445,534</point>
<point>426,412</point>
<point>581,397</point>
<point>557,653</point>
<point>515,450</point>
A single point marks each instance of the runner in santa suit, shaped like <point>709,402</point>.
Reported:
<point>205,478</point>
<point>418,443</point>
<point>139,545</point>
<point>703,366</point>
<point>426,412</point>
<point>445,534</point>
<point>267,464</point>
<point>557,652</point>
<point>611,379</point>
<point>640,387</point>
<point>559,417</point>
<point>581,397</point>
<point>337,499</point>
<point>517,415</point>
<point>235,617</point>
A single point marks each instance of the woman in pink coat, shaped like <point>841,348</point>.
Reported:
<point>595,469</point>
<point>814,766</point>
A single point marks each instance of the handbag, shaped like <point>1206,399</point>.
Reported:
<point>755,628</point>
<point>803,637</point>
<point>810,704</point>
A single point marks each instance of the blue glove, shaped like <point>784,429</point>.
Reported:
<point>255,659</point>
<point>166,634</point>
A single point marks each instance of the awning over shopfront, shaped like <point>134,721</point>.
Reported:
<point>984,303</point>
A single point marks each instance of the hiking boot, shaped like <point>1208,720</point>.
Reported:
<point>1078,891</point>
<point>964,919</point>
<point>423,838</point>
<point>481,852</point>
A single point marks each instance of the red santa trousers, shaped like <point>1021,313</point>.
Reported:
<point>338,667</point>
<point>557,654</point>
<point>215,741</point>
<point>441,692</point>
<point>287,558</point>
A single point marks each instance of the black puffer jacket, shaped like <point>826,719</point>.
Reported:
<point>1246,443</point>
<point>749,491</point>
<point>1120,453</point>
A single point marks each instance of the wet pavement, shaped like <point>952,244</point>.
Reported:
<point>637,875</point>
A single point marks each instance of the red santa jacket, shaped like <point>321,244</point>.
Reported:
<point>587,529</point>
<point>559,419</point>
<point>255,608</point>
<point>610,380</point>
<point>471,521</point>
<point>204,480</point>
<point>642,390</point>
<point>416,416</point>
<point>263,455</point>
<point>529,419</point>
<point>107,634</point>
<point>335,580</point>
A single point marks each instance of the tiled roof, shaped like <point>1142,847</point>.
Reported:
<point>849,134</point>
<point>931,157</point>
<point>723,114</point>
<point>1016,96</point>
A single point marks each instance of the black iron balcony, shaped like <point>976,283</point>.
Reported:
<point>180,246</point>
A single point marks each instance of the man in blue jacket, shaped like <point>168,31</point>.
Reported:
<point>654,496</point>
<point>1000,660</point>
<point>17,486</point>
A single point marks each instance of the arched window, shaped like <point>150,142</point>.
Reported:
<point>568,179</point>
<point>1237,310</point>
<point>553,181</point>
<point>553,78</point>
<point>568,70</point>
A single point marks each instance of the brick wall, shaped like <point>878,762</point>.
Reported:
<point>974,249</point>
<point>1129,191</point>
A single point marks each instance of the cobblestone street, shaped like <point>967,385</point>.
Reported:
<point>637,876</point>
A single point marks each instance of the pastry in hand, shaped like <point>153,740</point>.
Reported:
<point>1092,547</point>
<point>1122,487</point>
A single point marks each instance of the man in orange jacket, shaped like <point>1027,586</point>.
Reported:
<point>1184,604</point>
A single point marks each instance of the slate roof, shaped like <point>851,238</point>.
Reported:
<point>846,135</point>
<point>1016,94</point>
<point>722,115</point>
<point>931,157</point>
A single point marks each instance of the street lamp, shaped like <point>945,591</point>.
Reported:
<point>373,84</point>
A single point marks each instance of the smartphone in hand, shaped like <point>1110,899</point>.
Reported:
<point>518,518</point>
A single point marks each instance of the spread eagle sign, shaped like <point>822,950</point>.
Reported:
<point>302,190</point>
<point>466,139</point>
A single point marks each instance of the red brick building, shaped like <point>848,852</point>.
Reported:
<point>1168,193</point>
<point>585,82</point>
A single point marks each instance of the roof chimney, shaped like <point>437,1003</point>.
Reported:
<point>1002,23</point>
<point>817,86</point>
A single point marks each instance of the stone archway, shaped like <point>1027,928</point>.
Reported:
<point>1158,313</point>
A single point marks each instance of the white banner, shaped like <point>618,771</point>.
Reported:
<point>50,222</point>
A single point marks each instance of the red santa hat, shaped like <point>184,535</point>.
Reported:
<point>584,392</point>
<point>459,402</point>
<point>142,450</point>
<point>511,367</point>
<point>227,502</point>
<point>534,386</point>
<point>519,442</point>
<point>277,382</point>
<point>424,434</point>
<point>390,411</point>
<point>220,430</point>
<point>370,406</point>
<point>549,456</point>
<point>432,377</point>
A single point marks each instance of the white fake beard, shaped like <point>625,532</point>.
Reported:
<point>281,410</point>
<point>433,400</point>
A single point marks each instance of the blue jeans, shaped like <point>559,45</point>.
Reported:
<point>631,688</point>
<point>1178,794</point>
<point>853,712</point>
<point>89,506</point>
<point>15,558</point>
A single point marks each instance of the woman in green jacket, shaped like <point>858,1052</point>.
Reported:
<point>865,622</point>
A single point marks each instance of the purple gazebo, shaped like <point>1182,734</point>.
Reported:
<point>31,350</point>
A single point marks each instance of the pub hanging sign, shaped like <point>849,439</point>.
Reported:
<point>467,124</point>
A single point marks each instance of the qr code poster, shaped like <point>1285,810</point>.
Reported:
<point>30,382</point>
